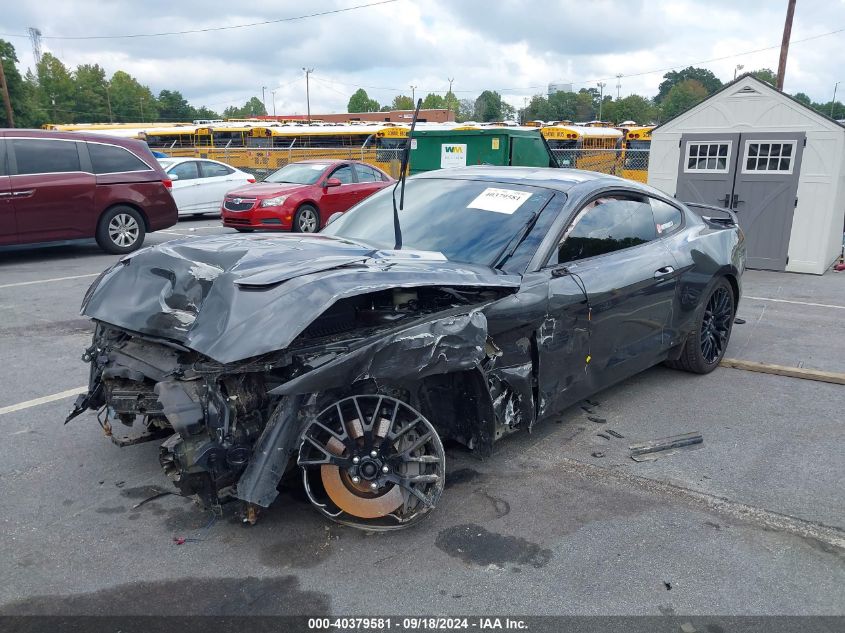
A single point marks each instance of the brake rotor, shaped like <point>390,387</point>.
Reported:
<point>381,463</point>
<point>358,499</point>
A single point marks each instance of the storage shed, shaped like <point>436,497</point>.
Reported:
<point>777,163</point>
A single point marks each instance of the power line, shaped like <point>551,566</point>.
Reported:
<point>206,30</point>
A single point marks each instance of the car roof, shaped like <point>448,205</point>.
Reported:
<point>549,177</point>
<point>73,136</point>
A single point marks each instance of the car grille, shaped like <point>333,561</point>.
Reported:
<point>238,204</point>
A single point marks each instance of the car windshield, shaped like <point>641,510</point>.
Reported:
<point>298,173</point>
<point>467,221</point>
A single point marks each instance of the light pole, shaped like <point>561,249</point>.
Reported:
<point>108,101</point>
<point>833,101</point>
<point>273,97</point>
<point>601,86</point>
<point>618,86</point>
<point>412,93</point>
<point>308,71</point>
<point>738,67</point>
<point>263,100</point>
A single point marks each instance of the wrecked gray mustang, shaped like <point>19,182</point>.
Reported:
<point>518,292</point>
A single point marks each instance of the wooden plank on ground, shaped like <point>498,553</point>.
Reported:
<point>782,370</point>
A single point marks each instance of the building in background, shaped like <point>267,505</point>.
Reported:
<point>559,87</point>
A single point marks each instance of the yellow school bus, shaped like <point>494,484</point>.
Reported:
<point>636,151</point>
<point>592,148</point>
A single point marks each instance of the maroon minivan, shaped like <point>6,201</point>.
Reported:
<point>71,185</point>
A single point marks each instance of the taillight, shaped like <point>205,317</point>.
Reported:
<point>251,180</point>
<point>168,184</point>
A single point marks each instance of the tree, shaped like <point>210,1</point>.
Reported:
<point>802,98</point>
<point>90,95</point>
<point>25,108</point>
<point>450,102</point>
<point>253,107</point>
<point>172,106</point>
<point>466,110</point>
<point>433,102</point>
<point>488,106</point>
<point>403,102</point>
<point>56,89</point>
<point>682,97</point>
<point>767,75</point>
<point>633,108</point>
<point>585,104</point>
<point>131,101</point>
<point>706,78</point>
<point>361,102</point>
<point>205,113</point>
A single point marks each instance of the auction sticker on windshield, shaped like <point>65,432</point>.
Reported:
<point>500,200</point>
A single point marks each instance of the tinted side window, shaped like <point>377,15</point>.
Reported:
<point>212,170</point>
<point>344,174</point>
<point>4,169</point>
<point>111,159</point>
<point>607,225</point>
<point>185,171</point>
<point>45,156</point>
<point>367,174</point>
<point>667,218</point>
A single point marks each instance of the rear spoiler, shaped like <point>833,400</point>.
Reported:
<point>705,211</point>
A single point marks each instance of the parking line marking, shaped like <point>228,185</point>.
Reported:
<point>802,303</point>
<point>43,400</point>
<point>45,281</point>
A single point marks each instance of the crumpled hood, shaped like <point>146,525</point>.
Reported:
<point>232,297</point>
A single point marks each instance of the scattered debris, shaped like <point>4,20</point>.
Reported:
<point>739,321</point>
<point>587,409</point>
<point>120,484</point>
<point>597,454</point>
<point>687,627</point>
<point>668,585</point>
<point>597,420</point>
<point>607,437</point>
<point>614,433</point>
<point>592,403</point>
<point>645,450</point>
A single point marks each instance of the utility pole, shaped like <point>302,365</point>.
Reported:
<point>738,68</point>
<point>784,46</point>
<point>108,101</point>
<point>450,80</point>
<point>601,86</point>
<point>10,118</point>
<point>833,101</point>
<point>263,100</point>
<point>448,107</point>
<point>618,86</point>
<point>53,102</point>
<point>273,96</point>
<point>308,71</point>
<point>412,93</point>
<point>35,40</point>
<point>141,103</point>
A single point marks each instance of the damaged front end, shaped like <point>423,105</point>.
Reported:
<point>244,371</point>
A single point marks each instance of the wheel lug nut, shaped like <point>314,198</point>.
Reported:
<point>373,453</point>
<point>355,480</point>
<point>385,469</point>
<point>374,486</point>
<point>355,460</point>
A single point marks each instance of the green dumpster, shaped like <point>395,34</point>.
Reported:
<point>442,149</point>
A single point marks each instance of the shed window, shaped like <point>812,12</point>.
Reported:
<point>773,157</point>
<point>713,157</point>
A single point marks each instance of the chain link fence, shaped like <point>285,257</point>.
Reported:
<point>630,163</point>
<point>261,162</point>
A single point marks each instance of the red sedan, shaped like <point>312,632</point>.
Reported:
<point>302,196</point>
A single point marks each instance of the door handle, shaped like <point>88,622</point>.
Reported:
<point>21,194</point>
<point>662,272</point>
<point>726,201</point>
<point>736,201</point>
<point>3,194</point>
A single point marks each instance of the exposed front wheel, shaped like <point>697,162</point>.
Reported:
<point>120,230</point>
<point>306,220</point>
<point>705,347</point>
<point>372,462</point>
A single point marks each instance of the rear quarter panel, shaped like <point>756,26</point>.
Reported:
<point>150,196</point>
<point>703,254</point>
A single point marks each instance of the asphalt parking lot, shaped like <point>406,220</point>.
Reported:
<point>751,522</point>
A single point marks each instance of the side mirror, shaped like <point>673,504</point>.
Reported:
<point>173,177</point>
<point>333,182</point>
<point>333,217</point>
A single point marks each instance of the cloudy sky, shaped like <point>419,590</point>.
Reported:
<point>514,46</point>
